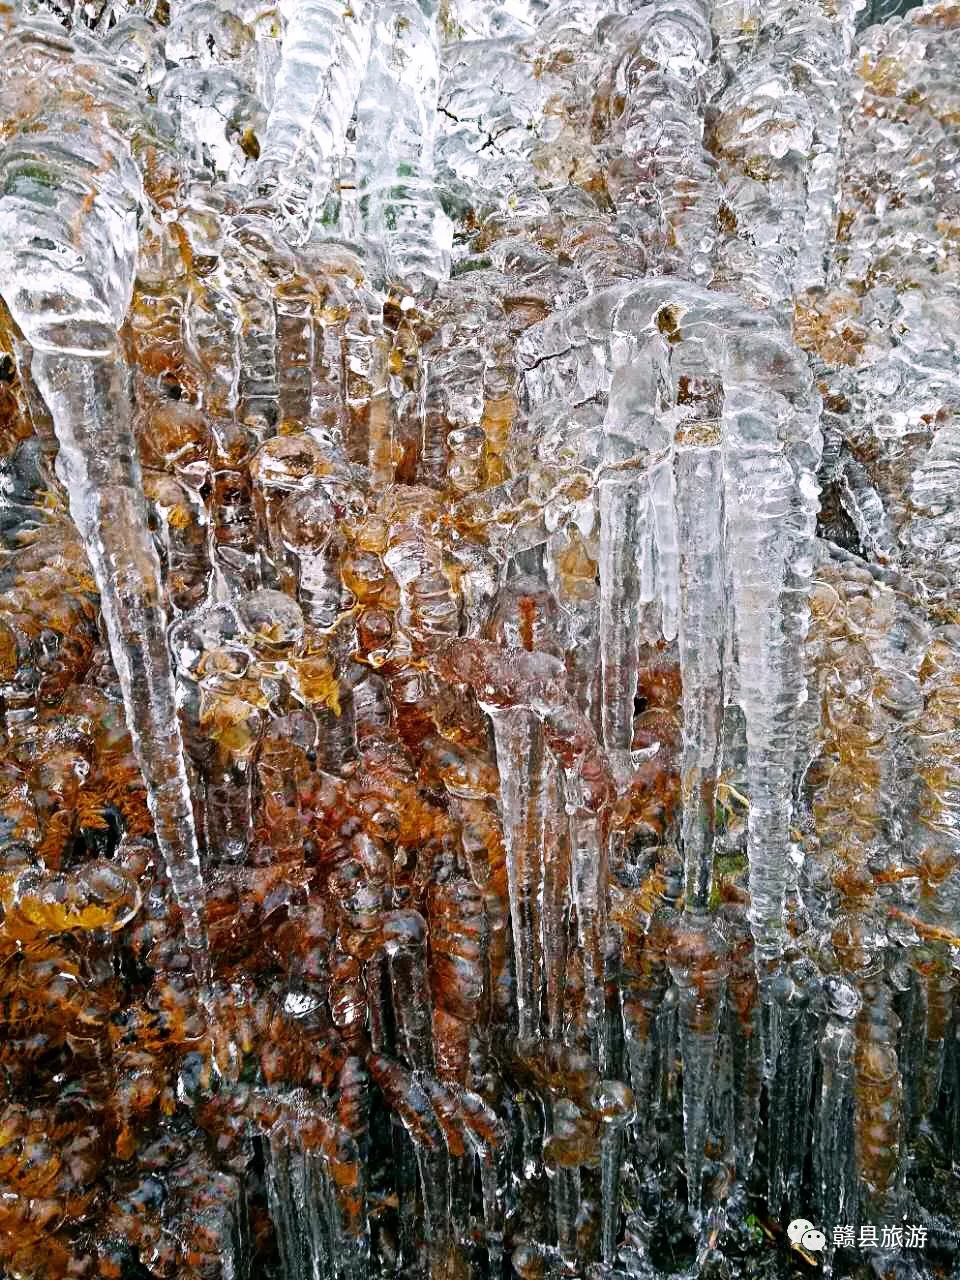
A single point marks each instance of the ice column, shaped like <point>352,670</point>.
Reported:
<point>521,764</point>
<point>325,50</point>
<point>396,127</point>
<point>700,517</point>
<point>67,267</point>
<point>89,400</point>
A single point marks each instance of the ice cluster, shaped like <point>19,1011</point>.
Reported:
<point>479,639</point>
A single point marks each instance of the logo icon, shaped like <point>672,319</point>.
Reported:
<point>804,1235</point>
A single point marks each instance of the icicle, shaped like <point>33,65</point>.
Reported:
<point>623,515</point>
<point>722,1156</point>
<point>508,681</point>
<point>663,507</point>
<point>769,446</point>
<point>698,964</point>
<point>249,284</point>
<point>212,322</point>
<point>865,508</point>
<point>746,1034</point>
<point>626,514</point>
<point>587,790</point>
<point>307,526</point>
<point>404,937</point>
<point>940,988</point>
<point>405,1175</point>
<point>285,1213</point>
<point>325,49</point>
<point>183,538</point>
<point>284,466</point>
<point>572,566</point>
<point>937,846</point>
<point>71,319</point>
<point>458,944</point>
<point>488,1137</point>
<point>295,351</point>
<point>396,126</point>
<point>834,1143</point>
<point>770,501</point>
<point>646,931</point>
<point>539,1262</point>
<point>700,519</point>
<point>555,921</point>
<point>795,999</point>
<point>795,202</point>
<point>520,760</point>
<point>663,183</point>
<point>408,363</point>
<point>588,856</point>
<point>353,1103</point>
<point>407,1097</point>
<point>315,1193</point>
<point>614,1105</point>
<point>460,1170</point>
<point>877,1100</point>
<point>456,359</point>
<point>89,400</point>
<point>229,714</point>
<point>566,1199</point>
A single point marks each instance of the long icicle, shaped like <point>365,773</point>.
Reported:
<point>700,973</point>
<point>325,51</point>
<point>90,403</point>
<point>67,274</point>
<point>699,489</point>
<point>520,759</point>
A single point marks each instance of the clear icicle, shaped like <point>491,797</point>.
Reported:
<point>487,1135</point>
<point>588,856</point>
<point>698,964</point>
<point>70,305</point>
<point>567,1191</point>
<point>623,513</point>
<point>699,489</point>
<point>459,1164</point>
<point>625,516</point>
<point>312,1184</point>
<point>878,1100</point>
<point>520,759</point>
<point>396,126</point>
<point>644,986</point>
<point>287,465</point>
<point>508,682</point>
<point>407,1097</point>
<point>865,508</point>
<point>555,907</point>
<point>90,403</point>
<point>771,444</point>
<point>743,1006</point>
<point>835,1134</point>
<point>663,505</point>
<point>613,1102</point>
<point>284,1209</point>
<point>795,996</point>
<point>768,627</point>
<point>325,50</point>
<point>306,527</point>
<point>663,183</point>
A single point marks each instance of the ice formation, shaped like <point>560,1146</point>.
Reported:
<point>479,639</point>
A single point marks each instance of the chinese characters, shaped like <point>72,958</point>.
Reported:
<point>909,1236</point>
